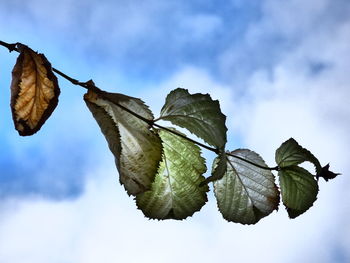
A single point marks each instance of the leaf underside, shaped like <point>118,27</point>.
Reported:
<point>198,113</point>
<point>176,192</point>
<point>34,91</point>
<point>246,193</point>
<point>136,148</point>
<point>298,189</point>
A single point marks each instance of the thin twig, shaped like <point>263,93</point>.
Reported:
<point>276,168</point>
<point>89,85</point>
<point>10,47</point>
<point>217,151</point>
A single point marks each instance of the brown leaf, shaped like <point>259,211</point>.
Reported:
<point>34,91</point>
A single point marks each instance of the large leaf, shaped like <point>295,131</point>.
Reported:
<point>34,91</point>
<point>176,192</point>
<point>298,188</point>
<point>198,113</point>
<point>291,153</point>
<point>136,148</point>
<point>246,193</point>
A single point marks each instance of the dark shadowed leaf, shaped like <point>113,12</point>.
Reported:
<point>291,153</point>
<point>246,193</point>
<point>198,113</point>
<point>298,188</point>
<point>176,192</point>
<point>136,148</point>
<point>326,174</point>
<point>34,91</point>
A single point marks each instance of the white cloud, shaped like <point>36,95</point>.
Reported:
<point>104,225</point>
<point>282,28</point>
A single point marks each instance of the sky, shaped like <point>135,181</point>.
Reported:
<point>278,68</point>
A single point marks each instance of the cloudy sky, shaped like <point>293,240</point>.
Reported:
<point>279,68</point>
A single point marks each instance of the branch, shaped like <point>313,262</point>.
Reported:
<point>276,168</point>
<point>217,151</point>
<point>10,47</point>
<point>90,85</point>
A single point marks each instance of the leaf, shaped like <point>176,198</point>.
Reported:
<point>298,188</point>
<point>246,193</point>
<point>136,148</point>
<point>34,91</point>
<point>290,153</point>
<point>176,192</point>
<point>198,113</point>
<point>326,174</point>
<point>219,168</point>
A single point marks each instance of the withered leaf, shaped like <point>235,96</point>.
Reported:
<point>326,174</point>
<point>34,91</point>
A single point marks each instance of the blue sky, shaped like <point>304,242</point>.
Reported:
<point>279,69</point>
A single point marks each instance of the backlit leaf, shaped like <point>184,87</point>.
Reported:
<point>298,188</point>
<point>198,113</point>
<point>34,91</point>
<point>291,153</point>
<point>246,193</point>
<point>176,192</point>
<point>136,148</point>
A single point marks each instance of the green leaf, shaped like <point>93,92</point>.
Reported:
<point>219,168</point>
<point>176,192</point>
<point>198,113</point>
<point>298,188</point>
<point>291,153</point>
<point>137,149</point>
<point>246,193</point>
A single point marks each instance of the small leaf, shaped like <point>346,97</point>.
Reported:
<point>326,174</point>
<point>34,91</point>
<point>298,188</point>
<point>219,168</point>
<point>246,193</point>
<point>198,113</point>
<point>291,153</point>
<point>137,149</point>
<point>176,192</point>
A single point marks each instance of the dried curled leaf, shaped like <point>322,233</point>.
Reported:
<point>326,173</point>
<point>34,91</point>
